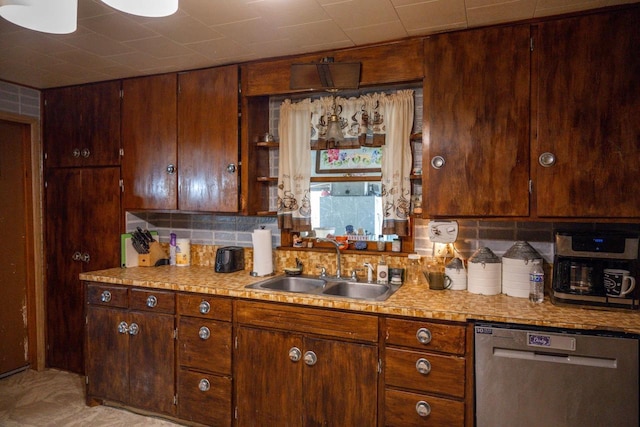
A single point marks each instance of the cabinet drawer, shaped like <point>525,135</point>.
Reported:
<point>153,300</point>
<point>204,398</point>
<point>437,336</point>
<point>204,306</point>
<point>204,344</point>
<point>109,295</point>
<point>400,410</point>
<point>445,374</point>
<point>308,320</point>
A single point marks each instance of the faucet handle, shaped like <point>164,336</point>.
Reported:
<point>354,274</point>
<point>323,271</point>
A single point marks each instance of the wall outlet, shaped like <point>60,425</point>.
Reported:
<point>443,231</point>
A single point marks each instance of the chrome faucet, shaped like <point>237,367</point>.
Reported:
<point>338,261</point>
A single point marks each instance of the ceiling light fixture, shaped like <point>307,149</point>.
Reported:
<point>149,8</point>
<point>334,130</point>
<point>47,16</point>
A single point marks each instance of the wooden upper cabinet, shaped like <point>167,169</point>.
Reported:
<point>208,140</point>
<point>588,116</point>
<point>149,139</point>
<point>476,123</point>
<point>389,63</point>
<point>82,125</point>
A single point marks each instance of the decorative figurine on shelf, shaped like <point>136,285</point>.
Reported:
<point>297,241</point>
<point>349,229</point>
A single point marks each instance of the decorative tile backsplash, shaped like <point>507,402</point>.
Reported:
<point>218,230</point>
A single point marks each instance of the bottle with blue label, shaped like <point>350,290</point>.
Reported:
<point>536,282</point>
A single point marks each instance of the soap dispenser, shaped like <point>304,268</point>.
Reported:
<point>383,271</point>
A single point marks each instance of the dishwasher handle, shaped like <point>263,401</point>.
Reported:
<point>556,358</point>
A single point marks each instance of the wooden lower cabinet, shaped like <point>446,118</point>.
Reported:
<point>425,374</point>
<point>130,347</point>
<point>290,371</point>
<point>204,359</point>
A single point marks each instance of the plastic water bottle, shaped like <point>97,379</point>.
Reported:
<point>536,282</point>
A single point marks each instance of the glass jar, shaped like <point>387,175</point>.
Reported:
<point>396,245</point>
<point>414,269</point>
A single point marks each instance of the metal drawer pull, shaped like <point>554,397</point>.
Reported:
<point>295,354</point>
<point>77,256</point>
<point>75,153</point>
<point>423,335</point>
<point>85,153</point>
<point>547,159</point>
<point>105,296</point>
<point>134,329</point>
<point>152,301</point>
<point>310,358</point>
<point>231,168</point>
<point>205,307</point>
<point>204,333</point>
<point>423,366</point>
<point>123,328</point>
<point>423,408</point>
<point>171,169</point>
<point>204,385</point>
<point>437,162</point>
<point>86,257</point>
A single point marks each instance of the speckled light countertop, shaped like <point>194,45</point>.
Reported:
<point>410,300</point>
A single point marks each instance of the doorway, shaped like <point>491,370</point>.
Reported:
<point>20,259</point>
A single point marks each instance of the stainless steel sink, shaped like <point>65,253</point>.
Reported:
<point>357,290</point>
<point>328,287</point>
<point>304,284</point>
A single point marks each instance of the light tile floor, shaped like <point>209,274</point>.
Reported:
<point>56,398</point>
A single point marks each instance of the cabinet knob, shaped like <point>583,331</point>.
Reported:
<point>152,301</point>
<point>437,162</point>
<point>310,358</point>
<point>171,169</point>
<point>134,329</point>
<point>423,408</point>
<point>105,296</point>
<point>423,366</point>
<point>204,333</point>
<point>76,153</point>
<point>86,258</point>
<point>204,385</point>
<point>85,153</point>
<point>123,328</point>
<point>231,168</point>
<point>295,354</point>
<point>547,159</point>
<point>423,335</point>
<point>205,307</point>
<point>77,256</point>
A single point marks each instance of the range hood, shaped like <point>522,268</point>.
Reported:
<point>325,75</point>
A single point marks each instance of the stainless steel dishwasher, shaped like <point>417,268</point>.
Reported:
<point>551,378</point>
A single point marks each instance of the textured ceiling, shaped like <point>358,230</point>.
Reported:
<point>109,44</point>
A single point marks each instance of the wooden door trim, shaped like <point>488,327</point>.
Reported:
<point>34,241</point>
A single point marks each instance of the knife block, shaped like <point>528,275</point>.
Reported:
<point>155,254</point>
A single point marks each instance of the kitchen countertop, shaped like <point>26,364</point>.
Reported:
<point>410,300</point>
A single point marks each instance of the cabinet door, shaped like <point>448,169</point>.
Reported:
<point>208,140</point>
<point>152,362</point>
<point>149,138</point>
<point>340,389</point>
<point>589,99</point>
<point>107,354</point>
<point>268,383</point>
<point>64,297</point>
<point>476,105</point>
<point>82,125</point>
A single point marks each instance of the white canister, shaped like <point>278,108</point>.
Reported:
<point>183,252</point>
<point>457,273</point>
<point>484,273</point>
<point>516,265</point>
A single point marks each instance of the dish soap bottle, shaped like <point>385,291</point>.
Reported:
<point>536,282</point>
<point>383,271</point>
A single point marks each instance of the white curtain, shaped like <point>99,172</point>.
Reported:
<point>294,167</point>
<point>375,118</point>
<point>397,111</point>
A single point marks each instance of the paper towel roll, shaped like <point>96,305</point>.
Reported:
<point>262,252</point>
<point>183,252</point>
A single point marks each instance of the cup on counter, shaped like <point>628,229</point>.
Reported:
<point>618,283</point>
<point>435,274</point>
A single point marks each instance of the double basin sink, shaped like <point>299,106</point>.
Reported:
<point>312,285</point>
